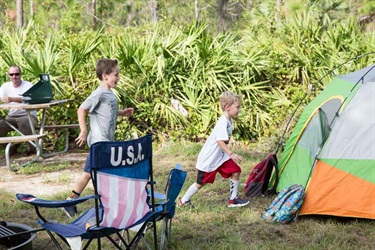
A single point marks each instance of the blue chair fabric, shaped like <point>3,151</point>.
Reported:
<point>167,202</point>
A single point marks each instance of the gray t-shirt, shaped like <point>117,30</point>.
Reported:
<point>102,106</point>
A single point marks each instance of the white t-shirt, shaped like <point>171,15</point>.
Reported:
<point>8,90</point>
<point>211,156</point>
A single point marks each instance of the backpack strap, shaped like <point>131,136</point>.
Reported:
<point>272,163</point>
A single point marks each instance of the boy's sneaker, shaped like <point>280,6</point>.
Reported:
<point>70,211</point>
<point>238,202</point>
<point>180,204</point>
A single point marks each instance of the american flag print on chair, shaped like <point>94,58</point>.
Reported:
<point>123,200</point>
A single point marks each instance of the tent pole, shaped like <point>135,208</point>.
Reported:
<point>309,92</point>
<point>333,120</point>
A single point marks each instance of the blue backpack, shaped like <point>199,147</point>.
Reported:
<point>285,206</point>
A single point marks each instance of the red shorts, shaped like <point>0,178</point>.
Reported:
<point>226,170</point>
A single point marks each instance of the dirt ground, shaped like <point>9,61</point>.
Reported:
<point>44,184</point>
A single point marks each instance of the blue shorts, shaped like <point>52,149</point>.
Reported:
<point>87,168</point>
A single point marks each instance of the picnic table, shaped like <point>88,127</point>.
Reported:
<point>38,133</point>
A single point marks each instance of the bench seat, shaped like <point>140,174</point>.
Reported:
<point>30,138</point>
<point>59,126</point>
<point>14,139</point>
<point>21,138</point>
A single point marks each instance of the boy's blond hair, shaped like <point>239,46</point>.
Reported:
<point>228,98</point>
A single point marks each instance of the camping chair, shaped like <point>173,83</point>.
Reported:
<point>120,173</point>
<point>176,180</point>
<point>166,205</point>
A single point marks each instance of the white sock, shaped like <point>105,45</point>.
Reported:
<point>233,189</point>
<point>189,193</point>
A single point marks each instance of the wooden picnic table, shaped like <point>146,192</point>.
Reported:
<point>36,139</point>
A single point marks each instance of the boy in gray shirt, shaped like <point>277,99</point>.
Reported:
<point>103,109</point>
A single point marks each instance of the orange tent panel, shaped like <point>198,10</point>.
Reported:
<point>335,192</point>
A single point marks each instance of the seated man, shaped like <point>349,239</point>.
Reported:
<point>11,92</point>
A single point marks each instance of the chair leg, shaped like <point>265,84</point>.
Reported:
<point>88,243</point>
<point>165,232</point>
<point>122,240</point>
<point>140,235</point>
<point>55,242</point>
<point>113,241</point>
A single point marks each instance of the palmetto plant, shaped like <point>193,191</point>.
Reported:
<point>270,64</point>
<point>14,43</point>
<point>43,57</point>
<point>79,52</point>
<point>194,68</point>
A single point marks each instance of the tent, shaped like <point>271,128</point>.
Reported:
<point>331,150</point>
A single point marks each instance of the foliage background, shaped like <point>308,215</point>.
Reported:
<point>276,54</point>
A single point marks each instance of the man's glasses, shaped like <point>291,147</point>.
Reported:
<point>14,74</point>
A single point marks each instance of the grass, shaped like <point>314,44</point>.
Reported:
<point>211,224</point>
<point>35,168</point>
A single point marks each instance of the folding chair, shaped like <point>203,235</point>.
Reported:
<point>120,173</point>
<point>165,206</point>
<point>176,180</point>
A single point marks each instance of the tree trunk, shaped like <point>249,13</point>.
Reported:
<point>31,8</point>
<point>196,11</point>
<point>153,5</point>
<point>221,10</point>
<point>279,4</point>
<point>19,13</point>
<point>93,11</point>
<point>250,4</point>
<point>130,10</point>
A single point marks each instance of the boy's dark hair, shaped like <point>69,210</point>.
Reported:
<point>105,66</point>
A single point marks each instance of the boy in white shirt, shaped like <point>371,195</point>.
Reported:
<point>216,157</point>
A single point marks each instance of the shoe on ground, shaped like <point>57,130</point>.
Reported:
<point>70,211</point>
<point>238,202</point>
<point>180,204</point>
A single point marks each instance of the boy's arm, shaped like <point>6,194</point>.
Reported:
<point>224,147</point>
<point>125,112</point>
<point>82,137</point>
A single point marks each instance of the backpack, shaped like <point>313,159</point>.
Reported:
<point>258,180</point>
<point>285,206</point>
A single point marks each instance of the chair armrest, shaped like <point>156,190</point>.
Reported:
<point>28,198</point>
<point>162,200</point>
<point>159,208</point>
<point>160,196</point>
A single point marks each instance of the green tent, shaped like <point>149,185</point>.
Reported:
<point>331,150</point>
